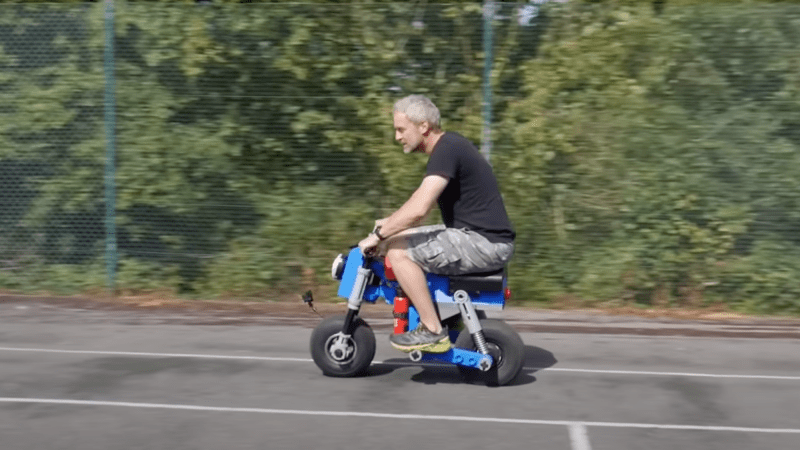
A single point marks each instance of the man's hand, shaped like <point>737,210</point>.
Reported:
<point>368,244</point>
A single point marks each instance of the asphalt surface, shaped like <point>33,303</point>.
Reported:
<point>78,374</point>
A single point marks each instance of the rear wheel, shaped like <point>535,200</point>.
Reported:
<point>339,355</point>
<point>505,347</point>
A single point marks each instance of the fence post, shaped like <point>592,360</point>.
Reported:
<point>110,131</point>
<point>489,9</point>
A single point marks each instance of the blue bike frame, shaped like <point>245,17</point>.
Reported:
<point>364,279</point>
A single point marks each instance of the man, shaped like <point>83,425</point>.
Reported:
<point>477,236</point>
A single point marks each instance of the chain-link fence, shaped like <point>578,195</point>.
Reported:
<point>647,153</point>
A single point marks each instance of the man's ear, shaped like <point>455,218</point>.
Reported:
<point>424,127</point>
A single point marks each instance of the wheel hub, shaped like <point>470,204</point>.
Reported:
<point>341,348</point>
<point>495,352</point>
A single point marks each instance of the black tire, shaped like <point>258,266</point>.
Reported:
<point>354,360</point>
<point>506,348</point>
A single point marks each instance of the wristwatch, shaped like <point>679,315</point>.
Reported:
<point>377,233</point>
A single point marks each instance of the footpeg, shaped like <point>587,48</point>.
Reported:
<point>460,356</point>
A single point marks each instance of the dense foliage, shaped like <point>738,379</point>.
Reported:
<point>647,154</point>
<point>660,152</point>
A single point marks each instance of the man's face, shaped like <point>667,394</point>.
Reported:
<point>409,133</point>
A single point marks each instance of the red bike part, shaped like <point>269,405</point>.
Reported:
<point>401,305</point>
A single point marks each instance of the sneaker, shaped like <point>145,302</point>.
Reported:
<point>421,339</point>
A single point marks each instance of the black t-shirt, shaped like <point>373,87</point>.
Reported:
<point>472,198</point>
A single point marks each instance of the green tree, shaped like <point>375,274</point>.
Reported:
<point>637,139</point>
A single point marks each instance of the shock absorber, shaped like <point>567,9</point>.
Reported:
<point>480,342</point>
<point>470,317</point>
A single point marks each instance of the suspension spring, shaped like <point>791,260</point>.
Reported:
<point>480,342</point>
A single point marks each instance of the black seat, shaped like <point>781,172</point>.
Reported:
<point>478,282</point>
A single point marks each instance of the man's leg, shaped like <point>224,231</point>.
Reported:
<point>413,281</point>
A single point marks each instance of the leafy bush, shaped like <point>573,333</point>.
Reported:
<point>764,281</point>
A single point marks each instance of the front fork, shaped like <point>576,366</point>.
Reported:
<point>342,346</point>
<point>354,304</point>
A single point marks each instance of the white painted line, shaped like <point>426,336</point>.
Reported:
<point>154,355</point>
<point>393,363</point>
<point>578,437</point>
<point>668,374</point>
<point>656,426</point>
<point>298,412</point>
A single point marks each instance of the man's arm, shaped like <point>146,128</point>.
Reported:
<point>416,208</point>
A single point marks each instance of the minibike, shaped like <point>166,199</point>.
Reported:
<point>484,349</point>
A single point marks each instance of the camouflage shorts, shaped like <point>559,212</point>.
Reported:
<point>454,251</point>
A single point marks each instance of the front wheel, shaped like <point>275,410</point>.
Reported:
<point>339,355</point>
<point>505,347</point>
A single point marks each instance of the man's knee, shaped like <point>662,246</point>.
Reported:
<point>397,253</point>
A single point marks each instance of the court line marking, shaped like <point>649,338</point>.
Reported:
<point>579,437</point>
<point>156,355</point>
<point>672,374</point>
<point>298,412</point>
<point>285,359</point>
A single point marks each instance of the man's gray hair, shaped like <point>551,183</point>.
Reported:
<point>419,109</point>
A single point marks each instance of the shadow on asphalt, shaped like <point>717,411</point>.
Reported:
<point>536,358</point>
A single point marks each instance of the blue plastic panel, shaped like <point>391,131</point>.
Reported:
<point>354,260</point>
